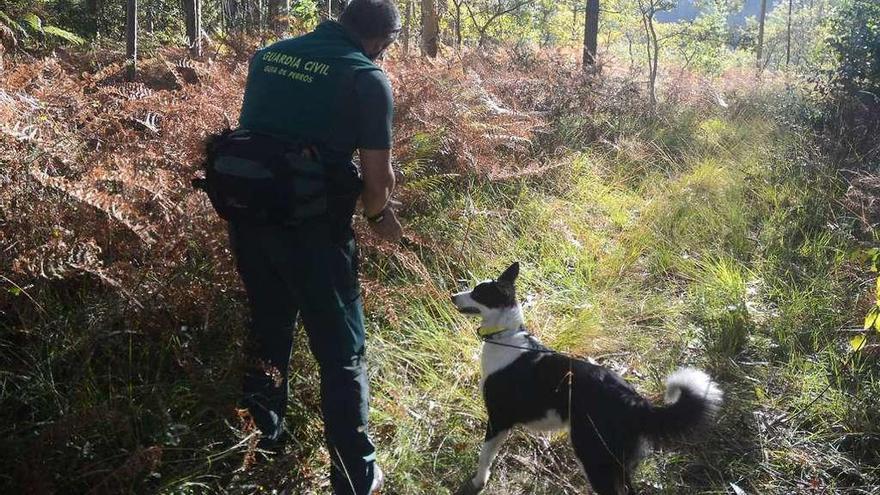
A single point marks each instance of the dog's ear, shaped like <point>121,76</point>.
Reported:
<point>510,274</point>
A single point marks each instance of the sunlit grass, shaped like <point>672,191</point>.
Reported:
<point>656,255</point>
<point>694,239</point>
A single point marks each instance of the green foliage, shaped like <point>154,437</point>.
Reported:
<point>10,27</point>
<point>33,21</point>
<point>663,233</point>
<point>719,302</point>
<point>303,15</point>
<point>30,25</point>
<point>63,35</point>
<point>855,38</point>
<point>700,44</point>
<point>872,318</point>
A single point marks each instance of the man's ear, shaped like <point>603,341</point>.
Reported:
<point>510,274</point>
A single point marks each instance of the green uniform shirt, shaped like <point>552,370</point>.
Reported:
<point>323,88</point>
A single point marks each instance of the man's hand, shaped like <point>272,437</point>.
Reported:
<point>389,227</point>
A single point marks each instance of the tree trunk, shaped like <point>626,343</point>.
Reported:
<point>653,47</point>
<point>192,12</point>
<point>247,16</point>
<point>655,67</point>
<point>545,27</point>
<point>151,27</point>
<point>591,32</point>
<point>131,39</point>
<point>197,29</point>
<point>93,10</point>
<point>261,22</point>
<point>407,25</point>
<point>230,12</point>
<point>255,17</point>
<point>279,22</point>
<point>430,28</point>
<point>632,57</point>
<point>788,36</point>
<point>457,4</point>
<point>760,51</point>
<point>189,20</point>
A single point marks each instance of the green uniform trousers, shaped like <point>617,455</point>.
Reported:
<point>312,272</point>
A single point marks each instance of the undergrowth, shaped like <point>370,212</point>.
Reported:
<point>690,234</point>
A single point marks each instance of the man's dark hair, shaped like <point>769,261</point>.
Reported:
<point>371,19</point>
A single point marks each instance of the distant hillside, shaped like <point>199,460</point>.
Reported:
<point>688,10</point>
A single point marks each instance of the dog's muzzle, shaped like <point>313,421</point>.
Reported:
<point>468,310</point>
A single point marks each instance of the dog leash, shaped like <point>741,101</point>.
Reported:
<point>532,349</point>
<point>488,339</point>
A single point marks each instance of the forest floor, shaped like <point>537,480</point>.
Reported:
<point>710,231</point>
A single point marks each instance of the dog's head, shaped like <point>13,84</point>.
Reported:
<point>490,298</point>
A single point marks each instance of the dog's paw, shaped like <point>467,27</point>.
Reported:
<point>468,488</point>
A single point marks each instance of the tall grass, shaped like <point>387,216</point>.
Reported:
<point>654,239</point>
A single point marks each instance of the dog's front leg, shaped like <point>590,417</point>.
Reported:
<point>491,446</point>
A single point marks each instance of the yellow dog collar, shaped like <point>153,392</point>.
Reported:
<point>488,331</point>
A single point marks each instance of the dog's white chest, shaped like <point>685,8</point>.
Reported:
<point>497,355</point>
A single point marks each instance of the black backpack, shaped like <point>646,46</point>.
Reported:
<point>262,179</point>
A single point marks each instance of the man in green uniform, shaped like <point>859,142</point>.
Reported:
<point>322,88</point>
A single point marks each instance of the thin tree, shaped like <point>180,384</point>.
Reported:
<point>131,39</point>
<point>279,22</point>
<point>254,16</point>
<point>648,9</point>
<point>93,9</point>
<point>653,46</point>
<point>407,24</point>
<point>457,4</point>
<point>260,21</point>
<point>760,48</point>
<point>430,28</point>
<point>788,36</point>
<point>230,11</point>
<point>591,32</point>
<point>192,11</point>
<point>495,11</point>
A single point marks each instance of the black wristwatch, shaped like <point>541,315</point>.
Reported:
<point>377,218</point>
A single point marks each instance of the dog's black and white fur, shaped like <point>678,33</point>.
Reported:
<point>610,424</point>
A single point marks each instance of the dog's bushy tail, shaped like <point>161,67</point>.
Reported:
<point>692,400</point>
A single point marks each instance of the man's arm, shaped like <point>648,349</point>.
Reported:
<point>378,180</point>
<point>378,184</point>
<point>375,115</point>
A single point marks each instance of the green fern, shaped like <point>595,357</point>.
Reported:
<point>32,22</point>
<point>63,34</point>
<point>431,183</point>
<point>419,175</point>
<point>11,24</point>
<point>414,168</point>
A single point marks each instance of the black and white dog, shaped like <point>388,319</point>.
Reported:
<point>610,424</point>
